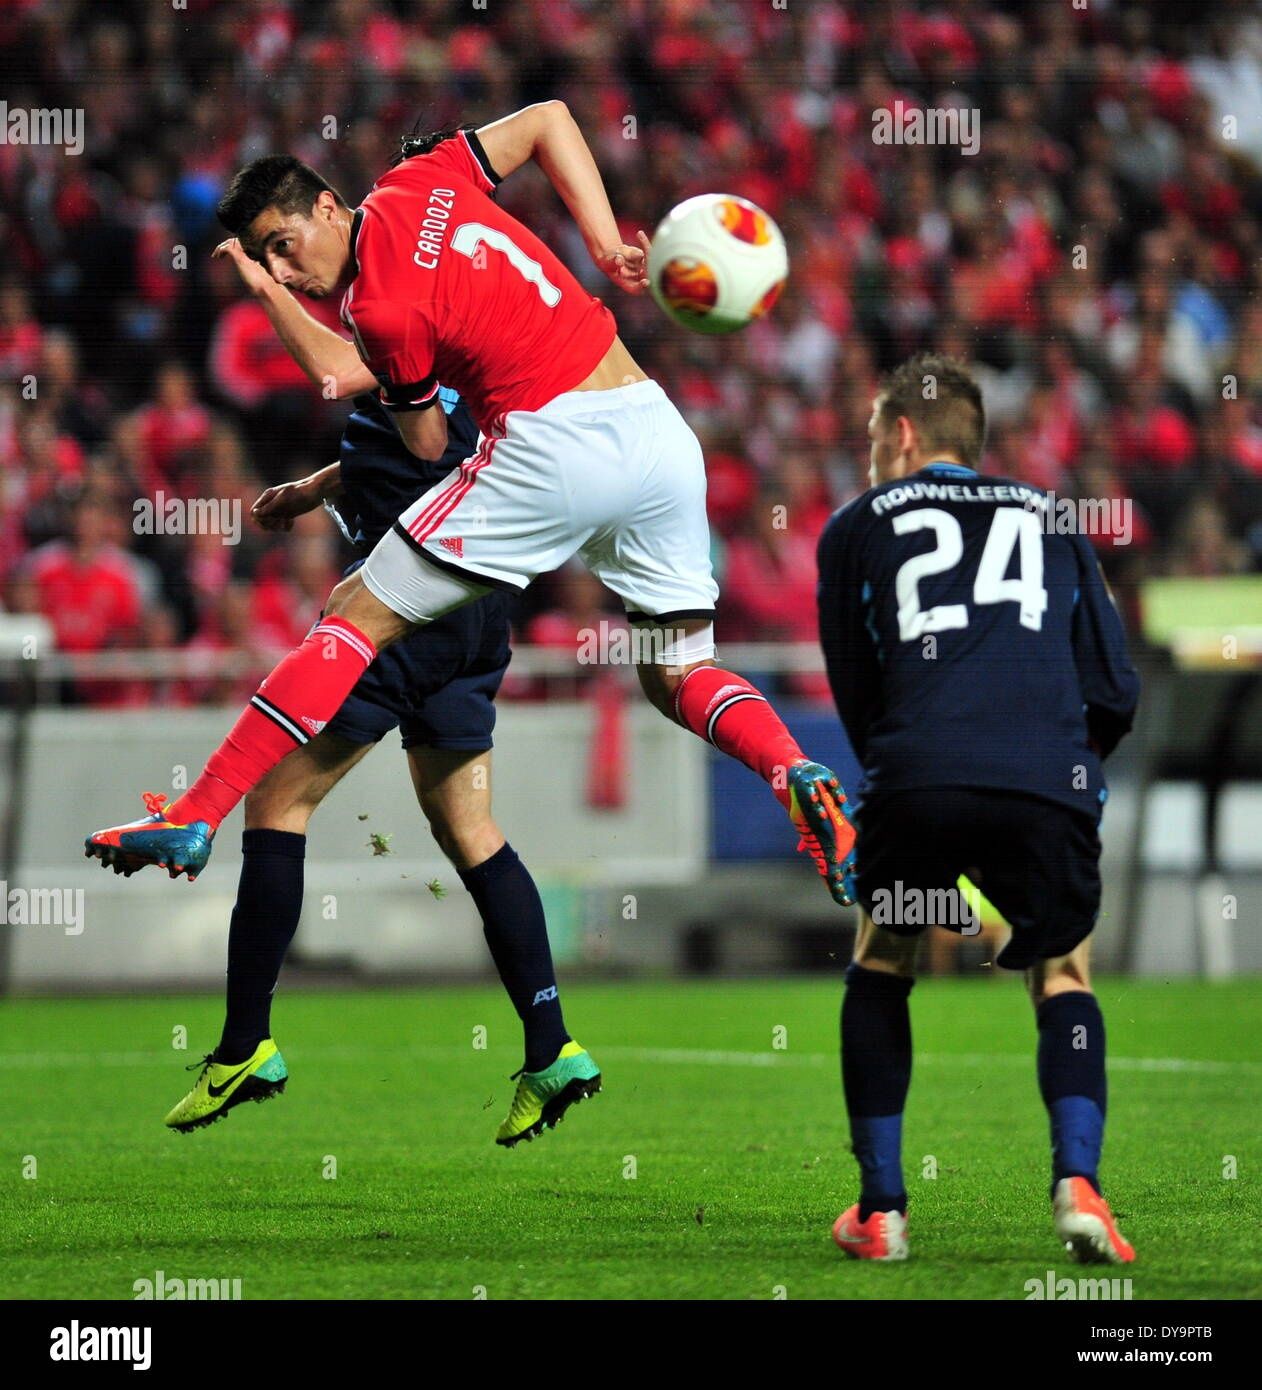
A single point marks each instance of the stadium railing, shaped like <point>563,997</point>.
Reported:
<point>529,662</point>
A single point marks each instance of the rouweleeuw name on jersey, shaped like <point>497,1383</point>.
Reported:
<point>957,492</point>
<point>451,288</point>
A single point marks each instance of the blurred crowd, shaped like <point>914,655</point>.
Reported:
<point>1098,260</point>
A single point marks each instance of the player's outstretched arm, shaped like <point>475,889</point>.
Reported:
<point>277,507</point>
<point>321,353</point>
<point>548,134</point>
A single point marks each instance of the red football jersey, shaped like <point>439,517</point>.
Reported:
<point>449,288</point>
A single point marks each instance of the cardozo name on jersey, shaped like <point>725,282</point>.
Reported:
<point>429,240</point>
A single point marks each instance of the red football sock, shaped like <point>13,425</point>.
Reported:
<point>292,705</point>
<point>735,716</point>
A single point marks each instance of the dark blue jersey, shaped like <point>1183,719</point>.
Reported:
<point>381,478</point>
<point>969,644</point>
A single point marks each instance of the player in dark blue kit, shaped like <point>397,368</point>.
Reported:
<point>981,671</point>
<point>438,687</point>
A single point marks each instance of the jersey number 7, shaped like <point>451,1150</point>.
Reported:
<point>470,236</point>
<point>1010,527</point>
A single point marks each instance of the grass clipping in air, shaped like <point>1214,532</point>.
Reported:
<point>380,844</point>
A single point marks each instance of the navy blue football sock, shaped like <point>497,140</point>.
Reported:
<point>1072,1082</point>
<point>517,933</point>
<point>269,903</point>
<point>876,1074</point>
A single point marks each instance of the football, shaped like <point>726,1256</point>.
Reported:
<point>717,262</point>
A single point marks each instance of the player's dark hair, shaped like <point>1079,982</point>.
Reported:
<point>414,143</point>
<point>275,181</point>
<point>940,397</point>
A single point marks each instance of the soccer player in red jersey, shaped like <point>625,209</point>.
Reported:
<point>581,453</point>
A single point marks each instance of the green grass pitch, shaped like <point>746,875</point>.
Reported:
<point>712,1165</point>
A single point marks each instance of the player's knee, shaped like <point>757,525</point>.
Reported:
<point>465,840</point>
<point>342,594</point>
<point>886,951</point>
<point>265,809</point>
<point>896,962</point>
<point>659,688</point>
<point>445,836</point>
<point>1064,975</point>
<point>661,683</point>
<point>352,600</point>
<point>669,654</point>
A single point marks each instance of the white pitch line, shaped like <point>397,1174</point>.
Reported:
<point>689,1057</point>
<point>664,1056</point>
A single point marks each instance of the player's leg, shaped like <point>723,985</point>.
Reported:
<point>1071,1073</point>
<point>454,790</point>
<point>246,1064</point>
<point>1068,974</point>
<point>876,1056</point>
<point>656,558</point>
<point>269,895</point>
<point>1040,868</point>
<point>905,854</point>
<point>291,707</point>
<point>683,681</point>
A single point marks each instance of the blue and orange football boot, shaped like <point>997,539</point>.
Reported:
<point>179,849</point>
<point>815,808</point>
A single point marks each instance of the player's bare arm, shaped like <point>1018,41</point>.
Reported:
<point>549,134</point>
<point>322,354</point>
<point>277,507</point>
<point>424,431</point>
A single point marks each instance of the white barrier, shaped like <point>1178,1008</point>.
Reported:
<point>87,768</point>
<point>375,914</point>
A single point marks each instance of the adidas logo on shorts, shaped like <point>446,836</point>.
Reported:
<point>453,543</point>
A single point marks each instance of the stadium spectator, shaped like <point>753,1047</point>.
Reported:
<point>1096,260</point>
<point>1203,545</point>
<point>87,587</point>
<point>169,427</point>
<point>20,334</point>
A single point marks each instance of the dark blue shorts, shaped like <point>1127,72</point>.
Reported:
<point>437,686</point>
<point>1036,860</point>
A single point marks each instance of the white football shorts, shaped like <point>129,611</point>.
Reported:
<point>616,477</point>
